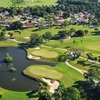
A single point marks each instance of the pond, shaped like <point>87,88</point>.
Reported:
<point>17,81</point>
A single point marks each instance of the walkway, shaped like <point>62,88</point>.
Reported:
<point>79,70</point>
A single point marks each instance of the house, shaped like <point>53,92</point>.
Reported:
<point>59,22</point>
<point>27,25</point>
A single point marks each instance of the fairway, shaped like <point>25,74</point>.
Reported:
<point>95,47</point>
<point>42,71</point>
<point>45,53</point>
<point>7,3</point>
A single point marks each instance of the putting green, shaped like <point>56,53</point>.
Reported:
<point>42,71</point>
<point>45,53</point>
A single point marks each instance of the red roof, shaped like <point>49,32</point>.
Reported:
<point>27,24</point>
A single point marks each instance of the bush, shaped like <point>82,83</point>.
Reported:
<point>13,69</point>
<point>0,95</point>
<point>8,58</point>
<point>62,58</point>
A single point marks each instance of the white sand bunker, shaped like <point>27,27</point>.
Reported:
<point>37,48</point>
<point>53,85</point>
<point>27,37</point>
<point>33,57</point>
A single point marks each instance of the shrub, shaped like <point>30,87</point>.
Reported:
<point>62,58</point>
<point>8,59</point>
<point>0,95</point>
<point>13,69</point>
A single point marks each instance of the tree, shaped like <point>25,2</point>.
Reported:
<point>62,58</point>
<point>14,2</point>
<point>44,96</point>
<point>35,39</point>
<point>93,77</point>
<point>79,33</point>
<point>16,25</point>
<point>86,32</point>
<point>75,52</point>
<point>11,34</point>
<point>42,87</point>
<point>47,36</point>
<point>8,58</point>
<point>71,93</point>
<point>59,92</point>
<point>2,34</point>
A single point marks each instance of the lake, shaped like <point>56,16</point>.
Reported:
<point>17,81</point>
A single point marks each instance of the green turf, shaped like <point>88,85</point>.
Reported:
<point>45,53</point>
<point>69,75</point>
<point>81,64</point>
<point>64,73</point>
<point>7,3</point>
<point>11,95</point>
<point>42,71</point>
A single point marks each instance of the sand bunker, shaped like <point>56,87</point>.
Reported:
<point>33,57</point>
<point>53,85</point>
<point>27,37</point>
<point>37,48</point>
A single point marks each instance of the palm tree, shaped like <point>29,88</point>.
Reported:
<point>44,96</point>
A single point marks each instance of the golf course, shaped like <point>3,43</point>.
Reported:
<point>49,50</point>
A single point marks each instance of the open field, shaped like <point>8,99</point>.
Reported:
<point>7,3</point>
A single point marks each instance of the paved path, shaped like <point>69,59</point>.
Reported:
<point>79,70</point>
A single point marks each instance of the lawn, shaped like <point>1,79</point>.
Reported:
<point>42,71</point>
<point>7,3</point>
<point>80,63</point>
<point>89,44</point>
<point>45,53</point>
<point>61,72</point>
<point>7,43</point>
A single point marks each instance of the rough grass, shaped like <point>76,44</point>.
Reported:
<point>45,53</point>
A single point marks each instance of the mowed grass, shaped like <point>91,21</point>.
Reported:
<point>8,43</point>
<point>12,95</point>
<point>45,53</point>
<point>89,44</point>
<point>53,30</point>
<point>8,3</point>
<point>61,72</point>
<point>81,64</point>
<point>42,71</point>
